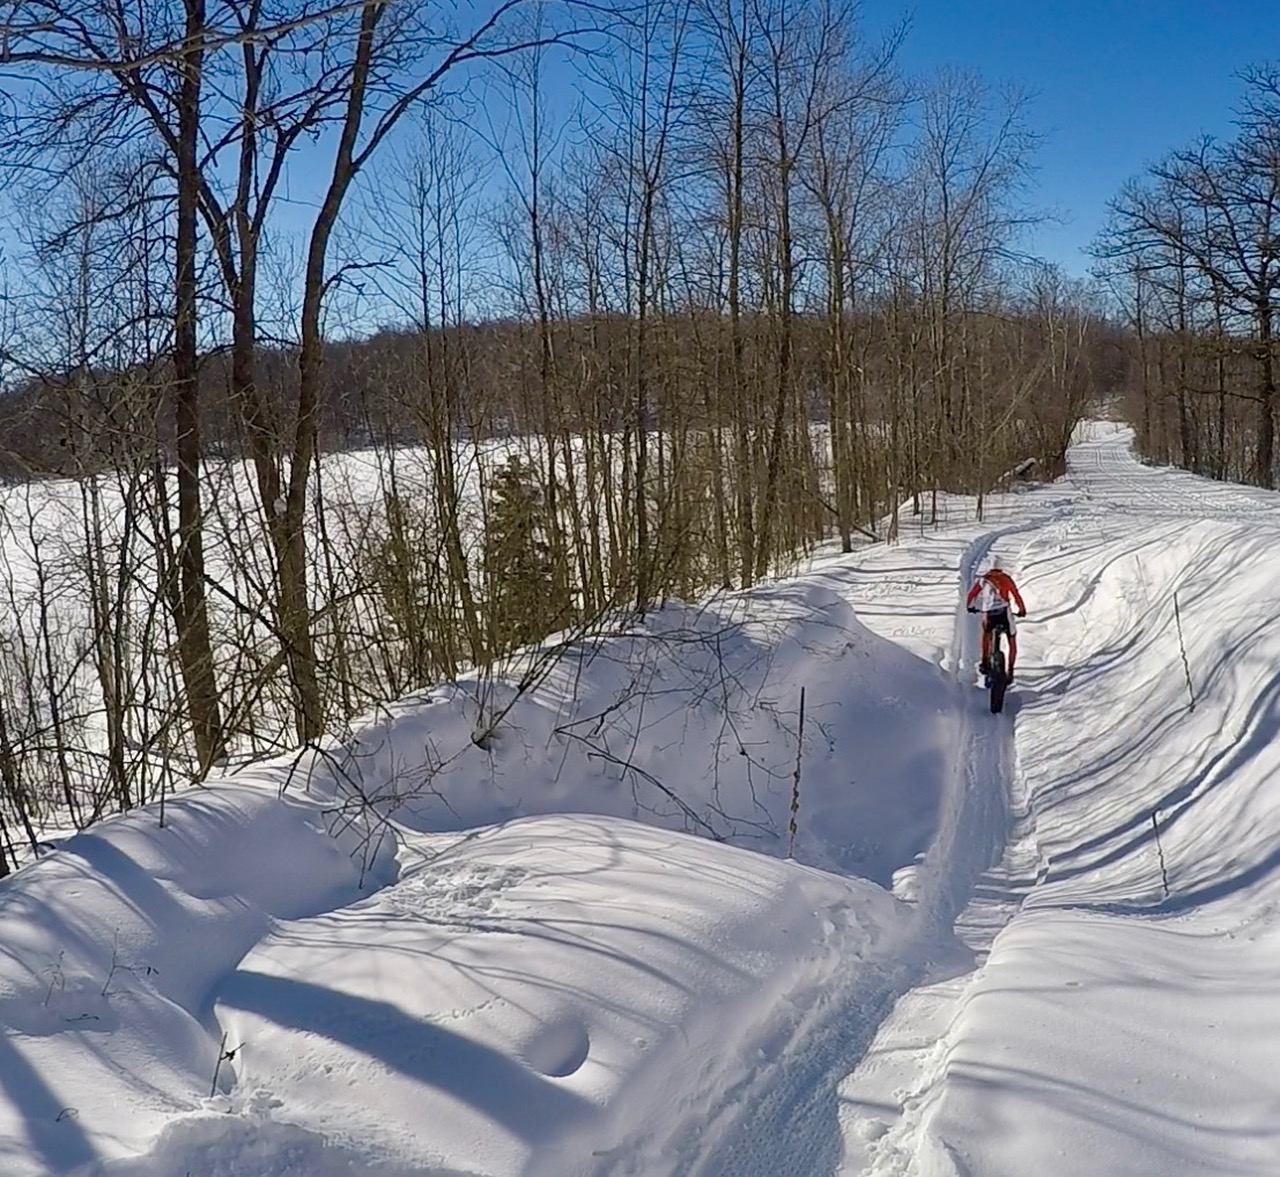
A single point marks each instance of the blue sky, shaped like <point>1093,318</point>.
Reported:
<point>1116,83</point>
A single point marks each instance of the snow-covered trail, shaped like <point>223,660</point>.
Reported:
<point>796,1118</point>
<point>1119,1019</point>
<point>1103,553</point>
<point>535,969</point>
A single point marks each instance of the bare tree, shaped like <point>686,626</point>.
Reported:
<point>1201,232</point>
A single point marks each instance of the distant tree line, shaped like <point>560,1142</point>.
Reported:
<point>761,290</point>
<point>1192,255</point>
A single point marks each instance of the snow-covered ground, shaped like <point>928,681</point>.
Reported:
<point>588,938</point>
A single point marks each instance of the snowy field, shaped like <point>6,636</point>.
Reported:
<point>595,942</point>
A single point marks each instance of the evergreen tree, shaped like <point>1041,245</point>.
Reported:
<point>524,602</point>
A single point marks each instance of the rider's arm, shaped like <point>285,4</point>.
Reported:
<point>973,593</point>
<point>1017,596</point>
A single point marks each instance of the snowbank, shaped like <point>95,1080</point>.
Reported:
<point>406,952</point>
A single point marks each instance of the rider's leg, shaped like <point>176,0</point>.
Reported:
<point>1013,650</point>
<point>986,641</point>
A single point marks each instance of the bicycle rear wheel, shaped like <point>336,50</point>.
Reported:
<point>997,678</point>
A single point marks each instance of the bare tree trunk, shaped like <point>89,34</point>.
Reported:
<point>1264,470</point>
<point>195,650</point>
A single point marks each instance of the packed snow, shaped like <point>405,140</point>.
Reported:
<point>756,885</point>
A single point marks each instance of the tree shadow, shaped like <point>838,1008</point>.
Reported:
<point>1151,1126</point>
<point>524,1103</point>
<point>54,1133</point>
<point>1263,724</point>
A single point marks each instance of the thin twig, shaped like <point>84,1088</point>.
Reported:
<point>1186,666</point>
<point>795,781</point>
<point>1164,874</point>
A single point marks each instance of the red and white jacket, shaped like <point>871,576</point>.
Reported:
<point>996,588</point>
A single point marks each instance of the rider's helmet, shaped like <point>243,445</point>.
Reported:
<point>995,565</point>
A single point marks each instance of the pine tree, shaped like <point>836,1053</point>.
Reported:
<point>524,602</point>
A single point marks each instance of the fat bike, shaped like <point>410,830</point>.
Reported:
<point>997,671</point>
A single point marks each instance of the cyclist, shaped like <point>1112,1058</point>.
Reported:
<point>995,587</point>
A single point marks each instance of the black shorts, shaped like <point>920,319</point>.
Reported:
<point>996,619</point>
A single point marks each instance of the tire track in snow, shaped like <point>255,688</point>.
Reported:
<point>888,1127</point>
<point>993,862</point>
<point>889,1101</point>
<point>786,1115</point>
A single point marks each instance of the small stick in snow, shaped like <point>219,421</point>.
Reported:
<point>1164,874</point>
<point>795,781</point>
<point>224,1055</point>
<point>1186,666</point>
